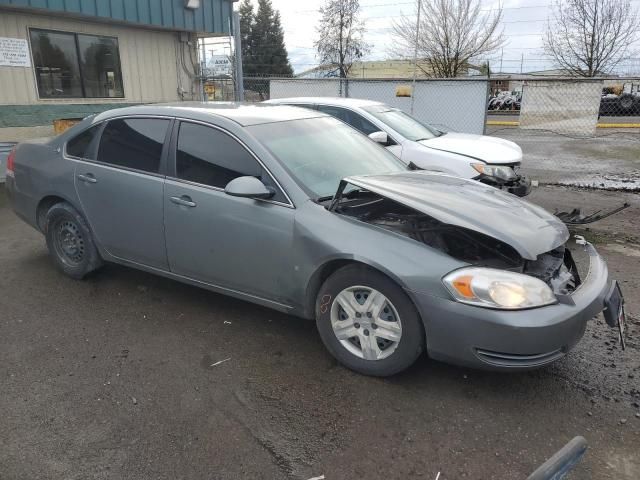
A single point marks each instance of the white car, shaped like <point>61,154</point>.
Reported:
<point>488,159</point>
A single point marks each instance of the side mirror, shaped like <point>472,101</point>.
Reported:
<point>248,187</point>
<point>380,137</point>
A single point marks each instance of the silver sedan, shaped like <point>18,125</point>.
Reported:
<point>294,210</point>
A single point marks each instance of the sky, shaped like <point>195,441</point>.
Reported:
<point>524,22</point>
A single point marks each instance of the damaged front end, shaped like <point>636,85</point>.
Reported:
<point>556,267</point>
<point>520,187</point>
<point>504,177</point>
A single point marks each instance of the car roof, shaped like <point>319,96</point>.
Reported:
<point>334,101</point>
<point>241,113</point>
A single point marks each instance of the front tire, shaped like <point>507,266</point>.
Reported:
<point>70,242</point>
<point>367,322</point>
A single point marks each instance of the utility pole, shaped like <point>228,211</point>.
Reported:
<point>238,58</point>
<point>415,59</point>
<point>521,62</point>
<point>501,55</point>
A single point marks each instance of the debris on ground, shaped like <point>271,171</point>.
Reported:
<point>576,217</point>
<point>219,362</point>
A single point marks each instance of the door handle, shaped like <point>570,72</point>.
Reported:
<point>88,178</point>
<point>184,200</point>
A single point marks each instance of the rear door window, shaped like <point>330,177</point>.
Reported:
<point>82,145</point>
<point>362,124</point>
<point>303,105</point>
<point>337,112</point>
<point>347,116</point>
<point>134,143</point>
<point>211,157</point>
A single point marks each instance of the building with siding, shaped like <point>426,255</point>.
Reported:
<point>70,58</point>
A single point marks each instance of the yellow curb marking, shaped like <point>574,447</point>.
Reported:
<point>600,125</point>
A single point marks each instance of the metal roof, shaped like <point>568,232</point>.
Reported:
<point>212,16</point>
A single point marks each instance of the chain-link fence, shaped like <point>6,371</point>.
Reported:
<point>576,132</point>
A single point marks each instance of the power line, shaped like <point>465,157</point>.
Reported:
<point>364,6</point>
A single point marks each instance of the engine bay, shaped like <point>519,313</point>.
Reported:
<point>556,268</point>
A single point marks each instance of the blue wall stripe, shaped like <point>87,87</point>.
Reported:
<point>211,17</point>
<point>156,13</point>
<point>103,9</point>
<point>88,7</point>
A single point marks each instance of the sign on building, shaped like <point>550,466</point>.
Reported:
<point>218,66</point>
<point>14,52</point>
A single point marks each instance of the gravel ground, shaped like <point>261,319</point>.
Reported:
<point>610,160</point>
<point>119,376</point>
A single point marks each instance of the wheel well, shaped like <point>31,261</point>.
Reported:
<point>43,207</point>
<point>324,272</point>
<point>318,278</point>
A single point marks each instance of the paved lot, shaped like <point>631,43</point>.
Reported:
<point>610,160</point>
<point>117,377</point>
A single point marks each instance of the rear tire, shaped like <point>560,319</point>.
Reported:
<point>626,102</point>
<point>70,242</point>
<point>367,322</point>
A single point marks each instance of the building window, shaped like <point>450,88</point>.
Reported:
<point>73,65</point>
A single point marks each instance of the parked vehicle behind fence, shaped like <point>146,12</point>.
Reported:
<point>491,160</point>
<point>294,210</point>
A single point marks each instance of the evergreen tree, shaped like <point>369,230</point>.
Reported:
<point>246,27</point>
<point>266,53</point>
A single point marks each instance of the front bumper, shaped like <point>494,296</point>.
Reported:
<point>520,187</point>
<point>513,340</point>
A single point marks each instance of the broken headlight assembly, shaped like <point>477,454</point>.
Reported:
<point>501,172</point>
<point>492,288</point>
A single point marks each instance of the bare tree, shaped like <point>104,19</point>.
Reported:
<point>591,37</point>
<point>450,35</point>
<point>340,36</point>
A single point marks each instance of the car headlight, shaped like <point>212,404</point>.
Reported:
<point>498,171</point>
<point>491,288</point>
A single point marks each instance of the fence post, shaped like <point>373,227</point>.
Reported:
<point>486,106</point>
<point>487,96</point>
<point>415,60</point>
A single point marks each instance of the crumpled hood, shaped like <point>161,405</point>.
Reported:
<point>529,229</point>
<point>481,147</point>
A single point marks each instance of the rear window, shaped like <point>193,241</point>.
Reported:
<point>81,146</point>
<point>134,143</point>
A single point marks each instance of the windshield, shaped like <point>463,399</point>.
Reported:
<point>319,152</point>
<point>404,124</point>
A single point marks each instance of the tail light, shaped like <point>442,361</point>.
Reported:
<point>11,161</point>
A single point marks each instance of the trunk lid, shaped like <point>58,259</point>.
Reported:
<point>528,228</point>
<point>496,151</point>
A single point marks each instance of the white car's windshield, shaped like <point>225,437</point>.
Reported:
<point>319,152</point>
<point>404,124</point>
